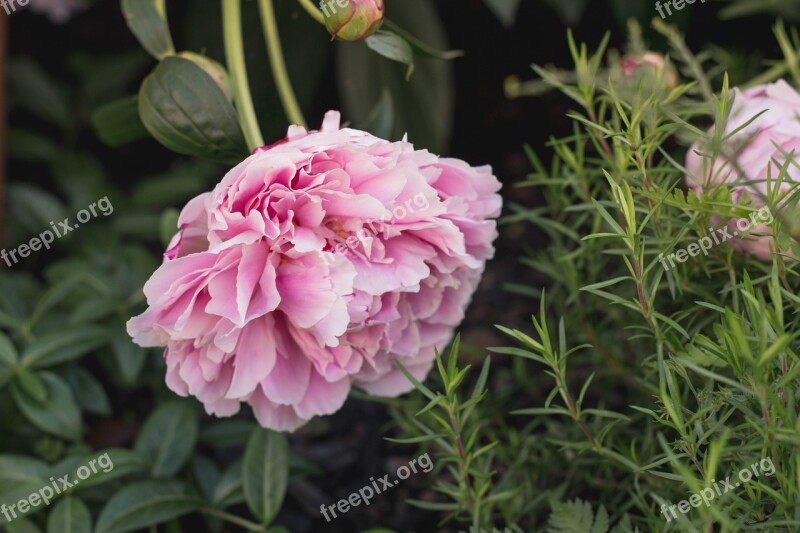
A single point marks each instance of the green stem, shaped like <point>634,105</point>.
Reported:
<point>233,519</point>
<point>234,54</point>
<point>312,10</point>
<point>278,63</point>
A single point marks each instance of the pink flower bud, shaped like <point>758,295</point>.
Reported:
<point>352,20</point>
<point>654,61</point>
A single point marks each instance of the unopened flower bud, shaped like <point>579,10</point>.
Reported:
<point>352,20</point>
<point>653,61</point>
<point>213,69</point>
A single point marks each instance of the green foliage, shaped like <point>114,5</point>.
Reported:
<point>656,383</point>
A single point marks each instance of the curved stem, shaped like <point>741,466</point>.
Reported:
<point>312,10</point>
<point>278,63</point>
<point>234,55</point>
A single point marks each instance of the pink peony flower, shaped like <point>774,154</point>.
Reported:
<point>311,267</point>
<point>759,149</point>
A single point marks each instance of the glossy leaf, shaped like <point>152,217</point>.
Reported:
<point>63,345</point>
<point>8,354</point>
<point>147,19</point>
<point>70,515</point>
<point>89,392</point>
<point>186,111</point>
<point>392,46</point>
<point>147,503</point>
<point>168,437</point>
<point>266,473</point>
<point>58,415</point>
<point>117,123</point>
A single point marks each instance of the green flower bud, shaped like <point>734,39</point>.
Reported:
<point>213,69</point>
<point>352,20</point>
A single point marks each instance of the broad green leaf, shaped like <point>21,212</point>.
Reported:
<point>147,503</point>
<point>129,358</point>
<point>20,470</point>
<point>89,392</point>
<point>205,473</point>
<point>168,437</point>
<point>8,354</point>
<point>110,464</point>
<point>31,384</point>
<point>60,346</point>
<point>30,145</point>
<point>392,46</point>
<point>22,525</point>
<point>70,515</point>
<point>93,310</point>
<point>226,433</point>
<point>229,489</point>
<point>58,415</point>
<point>147,19</point>
<point>186,111</point>
<point>33,88</point>
<point>424,104</point>
<point>266,473</point>
<point>117,123</point>
<point>32,211</point>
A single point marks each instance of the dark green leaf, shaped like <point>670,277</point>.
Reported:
<point>34,89</point>
<point>70,515</point>
<point>22,525</point>
<point>89,392</point>
<point>129,357</point>
<point>21,470</point>
<point>186,111</point>
<point>56,347</point>
<point>30,384</point>
<point>30,145</point>
<point>58,415</point>
<point>226,433</point>
<point>168,437</point>
<point>124,462</point>
<point>205,473</point>
<point>147,19</point>
<point>229,489</point>
<point>147,503</point>
<point>266,473</point>
<point>392,46</point>
<point>8,354</point>
<point>118,123</point>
